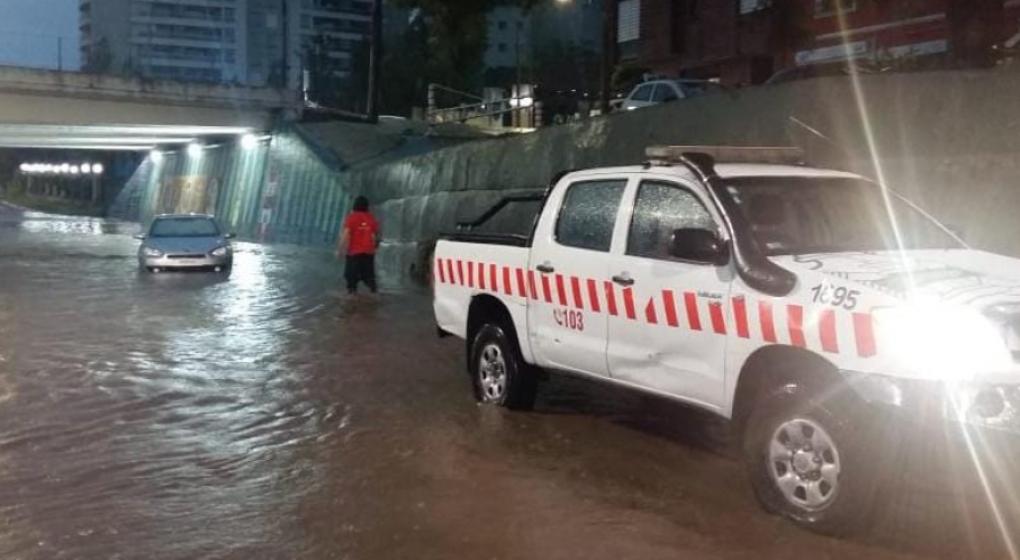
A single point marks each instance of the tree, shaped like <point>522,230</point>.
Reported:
<point>975,27</point>
<point>456,31</point>
<point>404,78</point>
<point>100,58</point>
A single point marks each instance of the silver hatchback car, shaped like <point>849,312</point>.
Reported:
<point>185,241</point>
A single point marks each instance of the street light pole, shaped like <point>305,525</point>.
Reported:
<point>375,62</point>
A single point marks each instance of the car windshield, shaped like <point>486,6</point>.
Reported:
<point>801,215</point>
<point>184,227</point>
<point>700,88</point>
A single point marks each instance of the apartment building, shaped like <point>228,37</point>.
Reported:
<point>249,42</point>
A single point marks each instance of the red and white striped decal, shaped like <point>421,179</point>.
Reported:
<point>746,318</point>
<point>691,306</point>
<point>864,335</point>
<point>795,321</point>
<point>669,303</point>
<point>575,289</point>
<point>740,317</point>
<point>508,287</point>
<point>593,295</point>
<point>827,331</point>
<point>561,290</point>
<point>768,324</point>
<point>628,303</point>
<point>610,290</point>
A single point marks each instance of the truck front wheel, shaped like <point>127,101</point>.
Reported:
<point>499,374</point>
<point>808,463</point>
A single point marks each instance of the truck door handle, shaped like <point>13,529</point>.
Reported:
<point>545,268</point>
<point>623,280</point>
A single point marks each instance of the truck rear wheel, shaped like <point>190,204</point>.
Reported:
<point>808,463</point>
<point>498,372</point>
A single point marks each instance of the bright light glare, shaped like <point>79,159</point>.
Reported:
<point>156,155</point>
<point>195,150</point>
<point>944,342</point>
<point>249,141</point>
<point>97,169</point>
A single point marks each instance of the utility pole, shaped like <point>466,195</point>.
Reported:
<point>375,62</point>
<point>60,53</point>
<point>609,13</point>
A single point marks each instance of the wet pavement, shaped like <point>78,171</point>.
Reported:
<point>264,415</point>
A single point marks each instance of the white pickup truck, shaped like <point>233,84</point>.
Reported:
<point>810,307</point>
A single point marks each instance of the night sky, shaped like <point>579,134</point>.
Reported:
<point>29,32</point>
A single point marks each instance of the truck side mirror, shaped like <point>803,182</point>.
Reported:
<point>699,246</point>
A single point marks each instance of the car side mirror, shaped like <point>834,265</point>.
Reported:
<point>700,246</point>
<point>139,236</point>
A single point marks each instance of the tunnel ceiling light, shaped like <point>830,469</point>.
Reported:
<point>37,168</point>
<point>249,141</point>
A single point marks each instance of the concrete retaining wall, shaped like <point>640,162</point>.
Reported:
<point>949,140</point>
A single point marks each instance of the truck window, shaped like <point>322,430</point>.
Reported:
<point>660,209</point>
<point>588,214</point>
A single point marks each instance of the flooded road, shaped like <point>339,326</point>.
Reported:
<point>262,415</point>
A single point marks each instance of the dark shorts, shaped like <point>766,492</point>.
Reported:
<point>360,268</point>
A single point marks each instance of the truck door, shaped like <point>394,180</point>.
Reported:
<point>672,335</point>
<point>567,274</point>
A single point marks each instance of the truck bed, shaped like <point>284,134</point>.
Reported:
<point>464,269</point>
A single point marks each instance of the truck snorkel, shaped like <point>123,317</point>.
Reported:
<point>752,265</point>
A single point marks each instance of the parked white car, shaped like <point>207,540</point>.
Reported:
<point>656,92</point>
<point>831,321</point>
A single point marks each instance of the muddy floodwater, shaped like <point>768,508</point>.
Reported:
<point>265,415</point>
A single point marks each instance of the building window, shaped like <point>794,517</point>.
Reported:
<point>629,22</point>
<point>751,6</point>
<point>501,47</point>
<point>825,8</point>
<point>501,25</point>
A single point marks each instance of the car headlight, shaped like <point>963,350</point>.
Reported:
<point>220,252</point>
<point>941,341</point>
<point>150,252</point>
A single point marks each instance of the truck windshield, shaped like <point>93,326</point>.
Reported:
<point>801,215</point>
<point>184,227</point>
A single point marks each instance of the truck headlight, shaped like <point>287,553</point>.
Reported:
<point>150,252</point>
<point>220,252</point>
<point>942,342</point>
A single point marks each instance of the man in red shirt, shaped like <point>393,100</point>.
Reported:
<point>360,235</point>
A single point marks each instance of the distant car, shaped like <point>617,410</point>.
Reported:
<point>655,92</point>
<point>185,241</point>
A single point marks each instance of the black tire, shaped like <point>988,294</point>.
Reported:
<point>519,385</point>
<point>795,408</point>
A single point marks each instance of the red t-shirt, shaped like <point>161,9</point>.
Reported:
<point>361,230</point>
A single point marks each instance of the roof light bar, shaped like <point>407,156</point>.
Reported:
<point>729,154</point>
